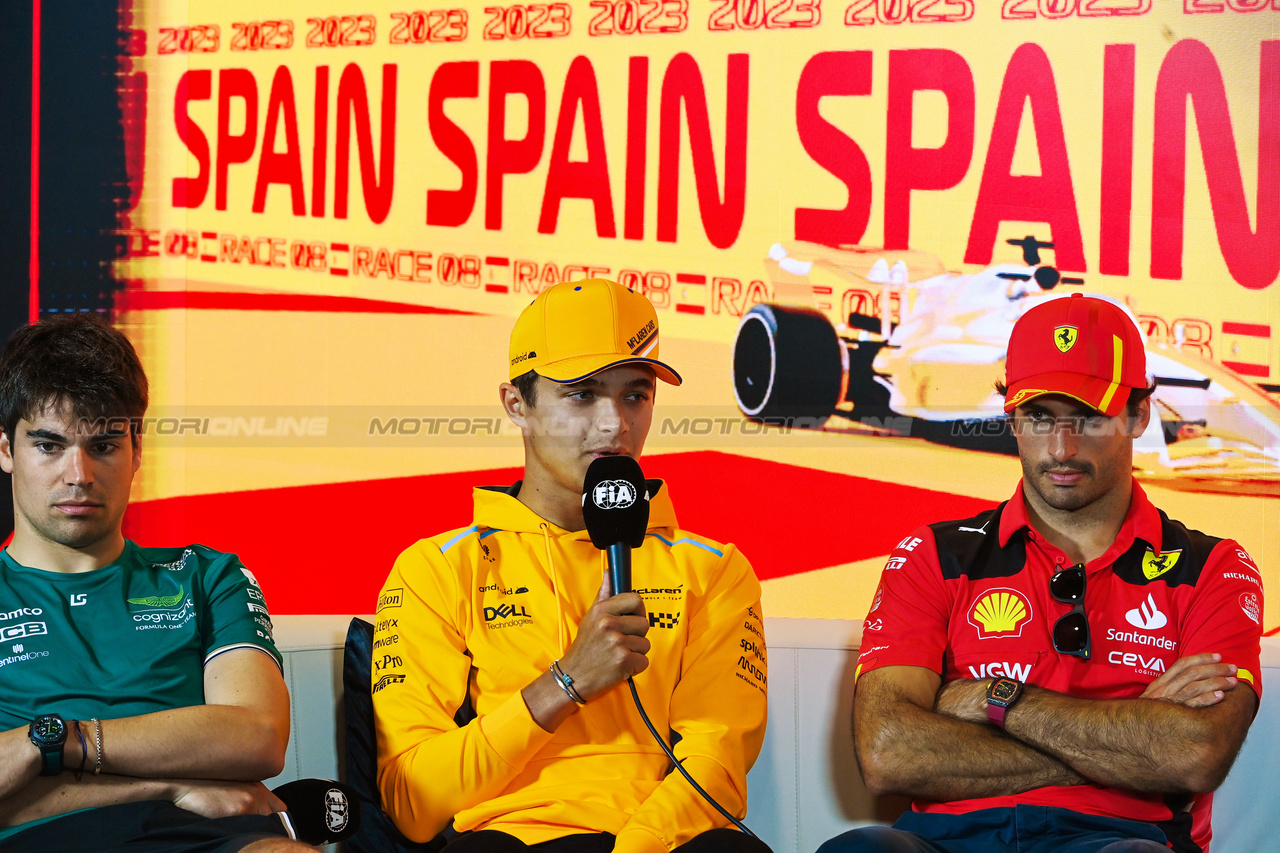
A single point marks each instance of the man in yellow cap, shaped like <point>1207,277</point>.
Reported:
<point>514,617</point>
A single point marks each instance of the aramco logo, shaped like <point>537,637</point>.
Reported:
<point>1000,613</point>
<point>613,494</point>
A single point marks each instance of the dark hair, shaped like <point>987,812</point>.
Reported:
<point>527,385</point>
<point>1136,395</point>
<point>76,360</point>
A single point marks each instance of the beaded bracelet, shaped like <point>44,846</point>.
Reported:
<point>97,743</point>
<point>566,683</point>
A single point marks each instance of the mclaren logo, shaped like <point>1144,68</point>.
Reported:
<point>613,494</point>
<point>1065,337</point>
<point>1154,565</point>
<point>1000,613</point>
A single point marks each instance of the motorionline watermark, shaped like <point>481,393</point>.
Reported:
<point>676,426</point>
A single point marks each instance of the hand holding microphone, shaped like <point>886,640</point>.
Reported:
<point>611,644</point>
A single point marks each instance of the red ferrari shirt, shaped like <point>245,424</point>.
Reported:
<point>970,599</point>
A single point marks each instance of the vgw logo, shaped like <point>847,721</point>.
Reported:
<point>505,611</point>
<point>613,494</point>
<point>1017,671</point>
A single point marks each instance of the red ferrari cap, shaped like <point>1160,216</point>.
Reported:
<point>1078,346</point>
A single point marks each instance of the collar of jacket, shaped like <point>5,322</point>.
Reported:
<point>497,507</point>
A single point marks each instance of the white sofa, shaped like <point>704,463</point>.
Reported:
<point>805,786</point>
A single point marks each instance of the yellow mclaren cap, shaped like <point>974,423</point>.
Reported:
<point>578,328</point>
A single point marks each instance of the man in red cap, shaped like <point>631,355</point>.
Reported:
<point>1071,670</point>
<point>514,616</point>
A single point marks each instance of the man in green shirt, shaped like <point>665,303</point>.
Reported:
<point>141,696</point>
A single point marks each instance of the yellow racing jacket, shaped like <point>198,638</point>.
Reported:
<point>483,611</point>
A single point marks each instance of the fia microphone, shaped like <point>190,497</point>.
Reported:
<point>320,811</point>
<point>615,508</point>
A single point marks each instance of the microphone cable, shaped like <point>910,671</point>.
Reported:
<point>679,766</point>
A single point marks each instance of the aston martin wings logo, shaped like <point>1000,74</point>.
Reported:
<point>158,600</point>
<point>1065,337</point>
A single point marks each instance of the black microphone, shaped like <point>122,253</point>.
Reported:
<point>615,507</point>
<point>320,811</point>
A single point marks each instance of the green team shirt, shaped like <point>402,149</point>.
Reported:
<point>130,638</point>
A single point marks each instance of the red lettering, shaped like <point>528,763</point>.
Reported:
<point>361,258</point>
<point>551,276</point>
<point>320,148</point>
<point>834,73</point>
<point>283,167</point>
<point>451,208</point>
<point>637,147</point>
<point>234,83</point>
<point>1048,197</point>
<point>907,168</point>
<point>1252,256</point>
<point>192,86</point>
<point>1117,159</point>
<point>588,179</point>
<point>682,86</point>
<point>353,102</point>
<point>512,156</point>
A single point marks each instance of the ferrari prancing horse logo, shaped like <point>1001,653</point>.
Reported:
<point>1065,337</point>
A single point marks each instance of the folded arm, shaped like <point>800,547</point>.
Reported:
<point>905,746</point>
<point>1158,742</point>
<point>213,755</point>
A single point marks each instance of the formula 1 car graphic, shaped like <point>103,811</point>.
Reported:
<point>827,355</point>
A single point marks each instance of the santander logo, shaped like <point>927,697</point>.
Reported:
<point>1147,616</point>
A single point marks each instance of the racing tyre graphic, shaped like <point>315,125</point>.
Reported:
<point>787,366</point>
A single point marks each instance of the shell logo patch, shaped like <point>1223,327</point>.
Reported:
<point>1154,566</point>
<point>1000,613</point>
<point>1065,337</point>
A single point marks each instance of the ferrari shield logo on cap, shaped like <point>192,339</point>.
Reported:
<point>1065,337</point>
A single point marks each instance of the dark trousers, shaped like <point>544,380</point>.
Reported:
<point>1021,829</point>
<point>491,841</point>
<point>146,827</point>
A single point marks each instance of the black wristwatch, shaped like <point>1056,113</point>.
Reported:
<point>1001,695</point>
<point>49,733</point>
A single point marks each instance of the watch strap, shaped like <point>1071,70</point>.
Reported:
<point>1002,694</point>
<point>51,759</point>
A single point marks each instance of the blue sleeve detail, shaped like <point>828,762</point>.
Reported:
<point>455,540</point>
<point>695,542</point>
<point>489,532</point>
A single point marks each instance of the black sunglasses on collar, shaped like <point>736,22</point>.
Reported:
<point>1071,631</point>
